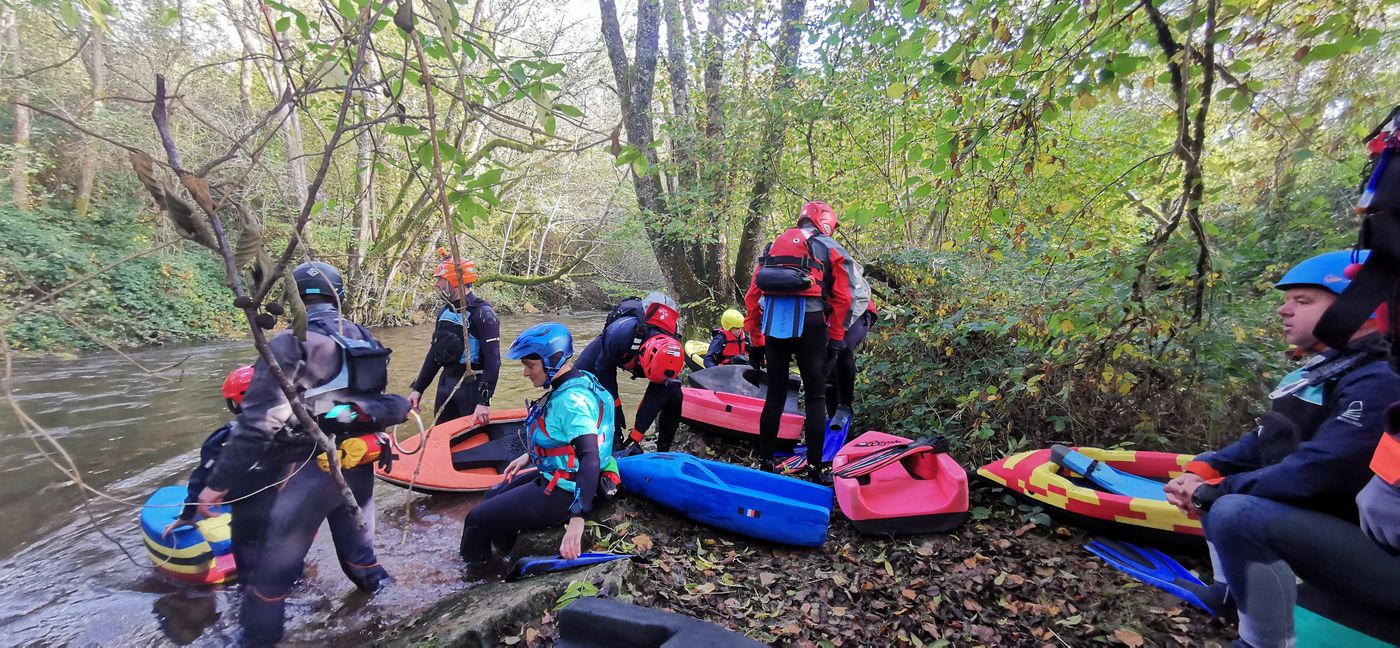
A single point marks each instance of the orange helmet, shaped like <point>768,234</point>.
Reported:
<point>819,214</point>
<point>457,273</point>
<point>662,358</point>
<point>236,387</point>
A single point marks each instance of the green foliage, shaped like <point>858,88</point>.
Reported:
<point>170,296</point>
<point>576,590</point>
<point>1002,357</point>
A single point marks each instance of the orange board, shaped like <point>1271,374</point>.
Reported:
<point>459,456</point>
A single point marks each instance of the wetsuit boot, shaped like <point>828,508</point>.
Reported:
<point>819,474</point>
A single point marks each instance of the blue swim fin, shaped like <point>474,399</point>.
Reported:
<point>836,431</point>
<point>1154,568</point>
<point>783,316</point>
<point>1107,477</point>
<point>535,565</point>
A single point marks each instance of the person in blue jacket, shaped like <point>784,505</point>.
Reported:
<point>474,358</point>
<point>569,440</point>
<point>621,347</point>
<point>1313,448</point>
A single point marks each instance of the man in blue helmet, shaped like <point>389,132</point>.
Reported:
<point>278,478</point>
<point>569,450</point>
<point>1310,451</point>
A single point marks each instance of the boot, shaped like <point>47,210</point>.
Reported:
<point>766,465</point>
<point>820,474</point>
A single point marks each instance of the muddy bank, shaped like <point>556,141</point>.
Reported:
<point>1000,580</point>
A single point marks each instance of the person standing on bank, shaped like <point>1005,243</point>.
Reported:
<point>473,359</point>
<point>341,371</point>
<point>798,302</point>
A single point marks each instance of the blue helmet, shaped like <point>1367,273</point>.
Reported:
<point>549,341</point>
<point>317,278</point>
<point>1326,271</point>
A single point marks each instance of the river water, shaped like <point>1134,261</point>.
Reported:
<point>63,583</point>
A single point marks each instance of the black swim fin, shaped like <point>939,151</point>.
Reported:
<point>886,456</point>
<point>535,565</point>
<point>1154,568</point>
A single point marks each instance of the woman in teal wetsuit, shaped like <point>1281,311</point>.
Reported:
<point>569,440</point>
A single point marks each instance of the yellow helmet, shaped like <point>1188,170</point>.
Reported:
<point>731,319</point>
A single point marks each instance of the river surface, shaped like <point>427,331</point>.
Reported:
<point>63,583</point>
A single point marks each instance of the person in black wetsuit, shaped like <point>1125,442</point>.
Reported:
<point>569,432</point>
<point>620,347</point>
<point>841,383</point>
<point>479,350</point>
<point>235,387</point>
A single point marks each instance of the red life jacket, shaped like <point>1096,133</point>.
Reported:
<point>734,345</point>
<point>789,266</point>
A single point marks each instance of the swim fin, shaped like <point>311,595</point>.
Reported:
<point>794,464</point>
<point>837,427</point>
<point>884,457</point>
<point>1154,568</point>
<point>536,565</point>
<point>1107,477</point>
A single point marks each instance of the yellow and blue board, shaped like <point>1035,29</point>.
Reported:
<point>201,554</point>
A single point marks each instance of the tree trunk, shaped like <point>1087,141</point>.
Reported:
<point>245,84</point>
<point>19,166</point>
<point>95,61</point>
<point>291,129</point>
<point>636,83</point>
<point>365,206</point>
<point>775,131</point>
<point>714,176</point>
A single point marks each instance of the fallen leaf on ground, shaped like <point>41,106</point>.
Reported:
<point>642,542</point>
<point>1129,638</point>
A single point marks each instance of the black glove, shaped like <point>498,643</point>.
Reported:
<point>756,357</point>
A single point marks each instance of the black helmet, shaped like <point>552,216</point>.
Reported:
<point>315,278</point>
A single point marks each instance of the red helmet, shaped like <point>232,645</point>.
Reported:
<point>236,386</point>
<point>456,272</point>
<point>662,358</point>
<point>819,214</point>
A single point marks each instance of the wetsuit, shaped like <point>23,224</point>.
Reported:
<point>208,453</point>
<point>727,348</point>
<point>841,385</point>
<point>570,444</point>
<point>450,353</point>
<point>615,349</point>
<point>824,319</point>
<point>273,530</point>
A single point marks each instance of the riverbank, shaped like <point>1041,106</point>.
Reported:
<point>998,580</point>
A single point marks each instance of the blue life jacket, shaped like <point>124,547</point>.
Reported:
<point>580,406</point>
<point>471,351</point>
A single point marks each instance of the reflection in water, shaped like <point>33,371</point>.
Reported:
<point>130,433</point>
<point>184,616</point>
